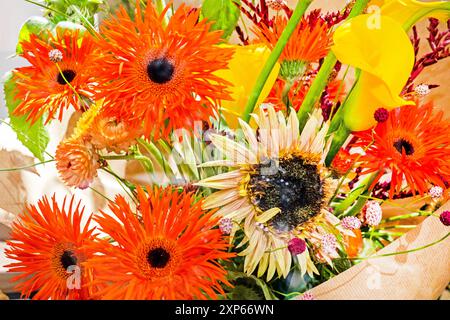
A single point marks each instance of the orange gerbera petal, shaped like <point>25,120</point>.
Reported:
<point>48,243</point>
<point>413,145</point>
<point>155,73</point>
<point>41,87</point>
<point>310,41</point>
<point>167,249</point>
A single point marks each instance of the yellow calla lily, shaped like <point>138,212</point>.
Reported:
<point>410,11</point>
<point>385,56</point>
<point>243,71</point>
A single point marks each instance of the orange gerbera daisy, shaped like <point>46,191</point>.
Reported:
<point>154,73</point>
<point>309,43</point>
<point>413,145</point>
<point>167,249</point>
<point>77,162</point>
<point>42,87</point>
<point>48,244</point>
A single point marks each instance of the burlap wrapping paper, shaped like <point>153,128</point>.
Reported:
<point>422,274</point>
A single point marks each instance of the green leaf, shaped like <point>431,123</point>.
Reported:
<point>34,25</point>
<point>223,13</point>
<point>34,137</point>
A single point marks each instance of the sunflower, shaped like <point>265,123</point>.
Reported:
<point>277,189</point>
<point>167,249</point>
<point>310,42</point>
<point>57,77</point>
<point>154,73</point>
<point>412,146</point>
<point>48,243</point>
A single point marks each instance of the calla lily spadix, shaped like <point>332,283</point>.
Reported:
<point>385,56</point>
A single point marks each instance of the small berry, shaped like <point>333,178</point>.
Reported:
<point>329,243</point>
<point>381,115</point>
<point>55,55</point>
<point>372,213</point>
<point>436,192</point>
<point>445,218</point>
<point>275,4</point>
<point>307,296</point>
<point>297,246</point>
<point>226,226</point>
<point>351,223</point>
<point>422,90</point>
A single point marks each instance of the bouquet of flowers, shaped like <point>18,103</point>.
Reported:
<point>268,137</point>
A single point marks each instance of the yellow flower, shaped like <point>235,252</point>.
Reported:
<point>244,69</point>
<point>385,56</point>
<point>409,11</point>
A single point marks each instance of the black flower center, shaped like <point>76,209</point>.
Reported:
<point>69,75</point>
<point>402,144</point>
<point>160,70</point>
<point>158,258</point>
<point>68,259</point>
<point>295,186</point>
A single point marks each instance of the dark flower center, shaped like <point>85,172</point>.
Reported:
<point>402,144</point>
<point>158,258</point>
<point>69,75</point>
<point>68,259</point>
<point>160,70</point>
<point>295,186</point>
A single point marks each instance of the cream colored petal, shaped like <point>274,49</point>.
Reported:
<point>232,209</point>
<point>318,143</point>
<point>221,198</point>
<point>302,262</point>
<point>233,150</point>
<point>267,215</point>
<point>240,213</point>
<point>308,133</point>
<point>293,127</point>
<point>249,136</point>
<point>217,163</point>
<point>226,180</point>
<point>263,264</point>
<point>272,267</point>
<point>283,132</point>
<point>278,247</point>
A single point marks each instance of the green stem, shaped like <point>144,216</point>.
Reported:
<point>101,194</point>
<point>362,199</point>
<point>406,216</point>
<point>70,86</point>
<point>403,252</point>
<point>445,6</point>
<point>321,80</point>
<point>87,23</point>
<point>160,6</point>
<point>146,162</point>
<point>25,167</point>
<point>339,138</point>
<point>46,7</point>
<point>298,13</point>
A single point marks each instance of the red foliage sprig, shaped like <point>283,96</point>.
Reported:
<point>438,42</point>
